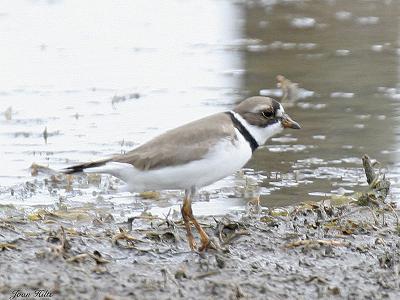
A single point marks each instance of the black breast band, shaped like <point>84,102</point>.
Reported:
<point>246,134</point>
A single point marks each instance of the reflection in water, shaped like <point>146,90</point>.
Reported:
<point>67,67</point>
<point>331,49</point>
<point>104,78</point>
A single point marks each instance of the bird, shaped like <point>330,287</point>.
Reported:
<point>196,154</point>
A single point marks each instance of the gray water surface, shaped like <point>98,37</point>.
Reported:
<point>103,77</point>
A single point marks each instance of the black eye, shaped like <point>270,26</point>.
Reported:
<point>267,114</point>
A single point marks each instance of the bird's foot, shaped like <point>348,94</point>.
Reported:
<point>210,244</point>
<point>206,244</point>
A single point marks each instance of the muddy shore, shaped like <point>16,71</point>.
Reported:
<point>332,249</point>
<point>80,84</point>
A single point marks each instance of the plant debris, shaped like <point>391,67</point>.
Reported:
<point>288,252</point>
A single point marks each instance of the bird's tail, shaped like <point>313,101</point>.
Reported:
<point>81,167</point>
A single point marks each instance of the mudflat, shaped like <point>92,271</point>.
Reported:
<point>332,249</point>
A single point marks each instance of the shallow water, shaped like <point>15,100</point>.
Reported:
<point>104,78</point>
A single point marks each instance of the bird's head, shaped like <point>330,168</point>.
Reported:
<point>264,117</point>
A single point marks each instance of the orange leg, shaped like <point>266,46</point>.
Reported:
<point>205,240</point>
<point>187,215</point>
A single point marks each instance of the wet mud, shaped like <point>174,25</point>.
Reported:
<point>315,250</point>
<point>342,247</point>
<point>68,238</point>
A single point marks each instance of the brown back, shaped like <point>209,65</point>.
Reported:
<point>181,145</point>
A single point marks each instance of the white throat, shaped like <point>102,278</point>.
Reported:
<point>260,134</point>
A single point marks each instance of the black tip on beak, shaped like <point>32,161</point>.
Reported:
<point>287,122</point>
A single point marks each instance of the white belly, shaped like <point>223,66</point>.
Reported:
<point>223,160</point>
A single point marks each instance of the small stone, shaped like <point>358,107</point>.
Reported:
<point>180,274</point>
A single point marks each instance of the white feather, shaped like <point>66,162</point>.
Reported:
<point>260,134</point>
<point>224,158</point>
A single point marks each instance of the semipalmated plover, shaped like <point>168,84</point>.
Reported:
<point>196,154</point>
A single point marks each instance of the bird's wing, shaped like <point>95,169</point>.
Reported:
<point>183,144</point>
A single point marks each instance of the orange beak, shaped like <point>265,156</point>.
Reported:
<point>287,122</point>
